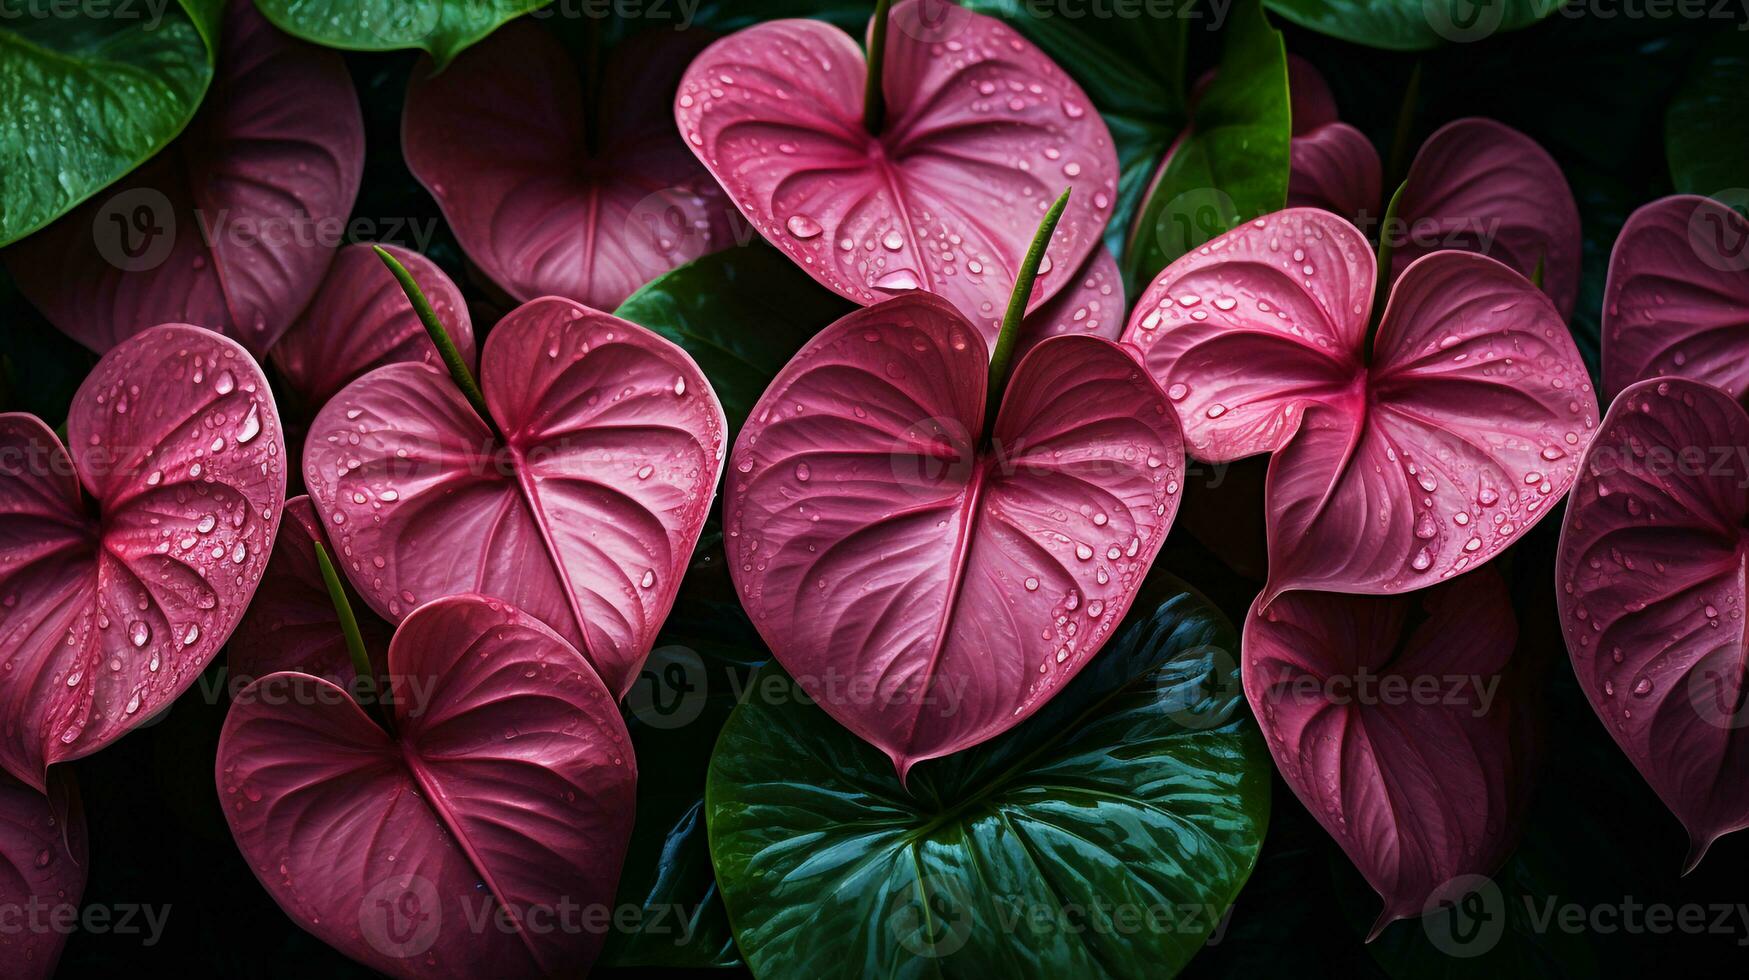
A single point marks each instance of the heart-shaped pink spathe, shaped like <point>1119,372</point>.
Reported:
<point>291,624</point>
<point>43,863</point>
<point>930,594</point>
<point>1480,186</point>
<point>485,837</point>
<point>1677,299</point>
<point>1398,740</point>
<point>1461,432</point>
<point>1652,597</point>
<point>500,139</point>
<point>360,319</point>
<point>982,133</point>
<point>127,557</point>
<point>233,225</point>
<point>584,515</point>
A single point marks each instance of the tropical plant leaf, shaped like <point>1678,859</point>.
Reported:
<point>85,99</point>
<point>1232,162</point>
<point>442,28</point>
<point>1105,836</point>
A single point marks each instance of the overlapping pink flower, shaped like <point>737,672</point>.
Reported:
<point>1396,467</point>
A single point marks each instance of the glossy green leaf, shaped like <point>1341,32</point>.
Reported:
<point>442,28</point>
<point>699,666</point>
<point>1105,836</point>
<point>1706,132</point>
<point>1413,25</point>
<point>84,98</point>
<point>1231,165</point>
<point>741,313</point>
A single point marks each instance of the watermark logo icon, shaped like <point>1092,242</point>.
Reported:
<point>671,690</point>
<point>1465,917</point>
<point>135,229</point>
<point>1464,21</point>
<point>401,916</point>
<point>1716,239</point>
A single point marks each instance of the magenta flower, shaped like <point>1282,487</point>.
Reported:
<point>1475,185</point>
<point>291,623</point>
<point>1419,783</point>
<point>931,591</point>
<point>981,133</point>
<point>504,796</point>
<point>1396,467</point>
<point>130,553</point>
<point>43,863</point>
<point>579,501</point>
<point>1652,595</point>
<point>502,138</point>
<point>360,320</point>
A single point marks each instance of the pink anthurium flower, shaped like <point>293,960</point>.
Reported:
<point>42,870</point>
<point>292,624</point>
<point>502,138</point>
<point>928,589</point>
<point>1652,595</point>
<point>1475,185</point>
<point>580,500</point>
<point>232,226</point>
<point>1393,469</point>
<point>130,553</point>
<point>454,846</point>
<point>1677,300</point>
<point>1386,716</point>
<point>980,132</point>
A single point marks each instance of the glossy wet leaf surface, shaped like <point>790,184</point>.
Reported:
<point>582,507</point>
<point>443,28</point>
<point>130,553</point>
<point>982,132</point>
<point>84,99</point>
<point>44,861</point>
<point>1143,785</point>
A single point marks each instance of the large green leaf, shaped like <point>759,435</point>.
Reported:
<point>84,98</point>
<point>1232,163</point>
<point>741,313</point>
<point>700,664</point>
<point>1104,836</point>
<point>1413,25</point>
<point>1706,132</point>
<point>443,28</point>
